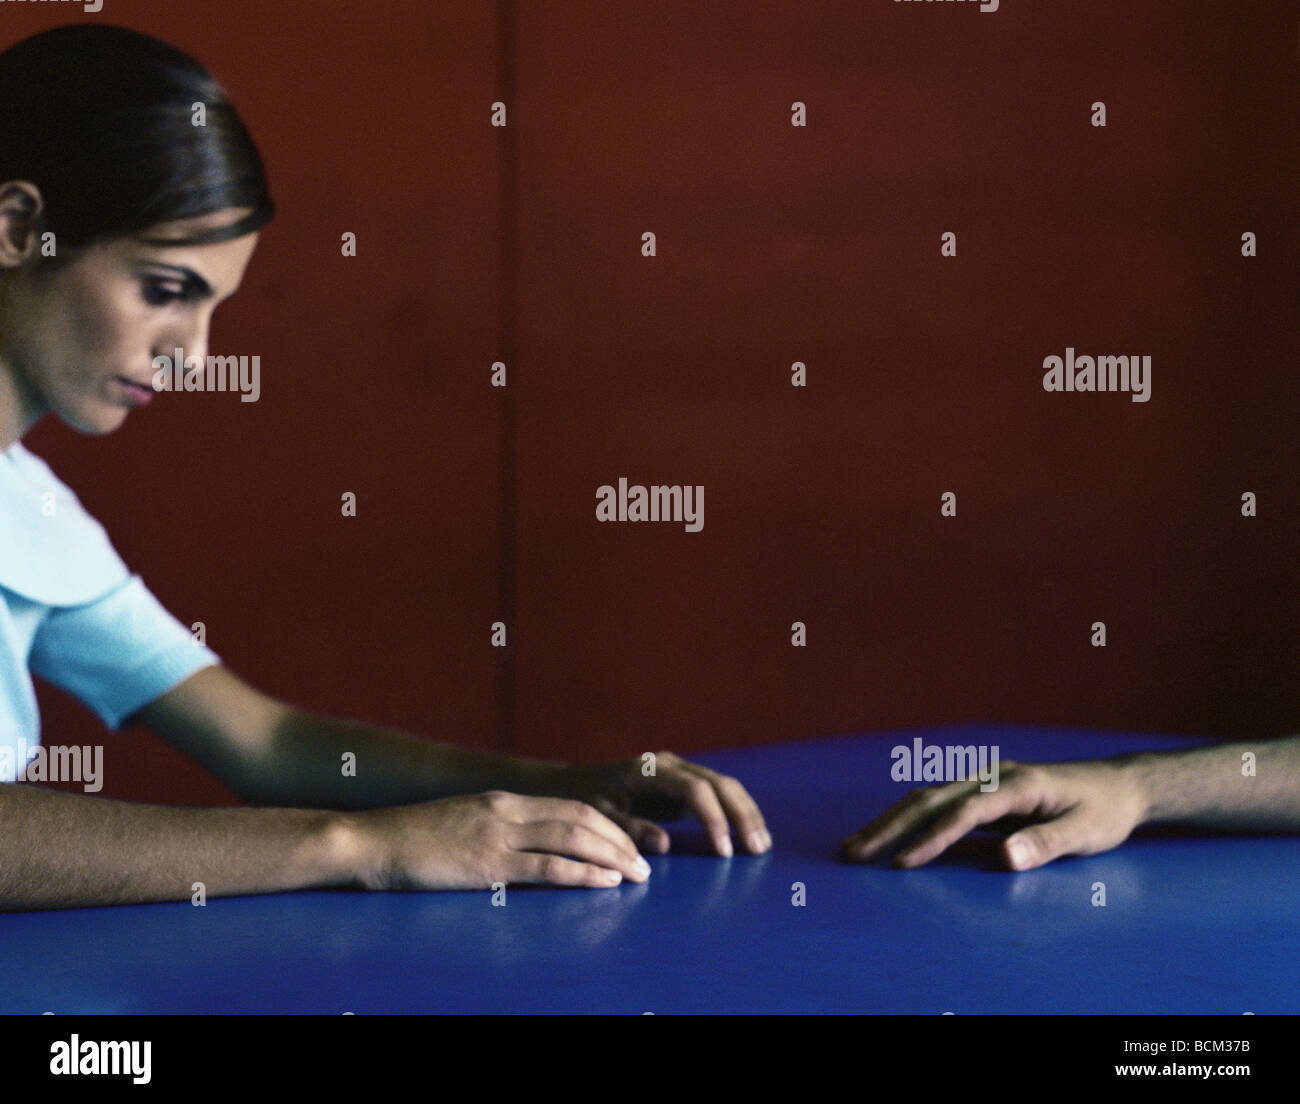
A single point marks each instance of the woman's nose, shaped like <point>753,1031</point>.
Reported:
<point>192,340</point>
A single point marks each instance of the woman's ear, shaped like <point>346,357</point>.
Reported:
<point>20,210</point>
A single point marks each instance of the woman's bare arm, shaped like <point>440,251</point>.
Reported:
<point>71,850</point>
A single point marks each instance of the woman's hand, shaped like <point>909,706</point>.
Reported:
<point>664,785</point>
<point>1075,809</point>
<point>475,841</point>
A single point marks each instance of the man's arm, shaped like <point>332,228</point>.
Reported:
<point>1082,808</point>
<point>271,753</point>
<point>1212,788</point>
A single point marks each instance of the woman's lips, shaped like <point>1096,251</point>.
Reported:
<point>140,394</point>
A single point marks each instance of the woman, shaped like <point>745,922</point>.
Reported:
<point>123,225</point>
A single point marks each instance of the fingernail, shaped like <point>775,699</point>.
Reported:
<point>1018,853</point>
<point>724,846</point>
<point>642,867</point>
<point>613,877</point>
<point>755,840</point>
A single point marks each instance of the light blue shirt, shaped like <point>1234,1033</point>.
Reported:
<point>72,613</point>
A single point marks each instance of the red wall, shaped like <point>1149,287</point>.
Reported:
<point>775,244</point>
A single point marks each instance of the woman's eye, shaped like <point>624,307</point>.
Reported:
<point>159,295</point>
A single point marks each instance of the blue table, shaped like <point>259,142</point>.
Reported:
<point>1191,925</point>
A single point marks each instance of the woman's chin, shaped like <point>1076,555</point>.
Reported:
<point>96,423</point>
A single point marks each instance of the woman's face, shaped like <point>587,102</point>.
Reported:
<point>76,337</point>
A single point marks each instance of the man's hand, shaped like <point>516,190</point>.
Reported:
<point>1076,809</point>
<point>471,842</point>
<point>627,794</point>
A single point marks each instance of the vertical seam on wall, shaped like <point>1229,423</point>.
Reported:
<point>507,455</point>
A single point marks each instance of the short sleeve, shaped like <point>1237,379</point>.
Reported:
<point>117,653</point>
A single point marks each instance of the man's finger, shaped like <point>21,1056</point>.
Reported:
<point>901,819</point>
<point>958,820</point>
<point>1068,834</point>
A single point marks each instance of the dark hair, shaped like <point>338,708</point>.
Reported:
<point>99,118</point>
